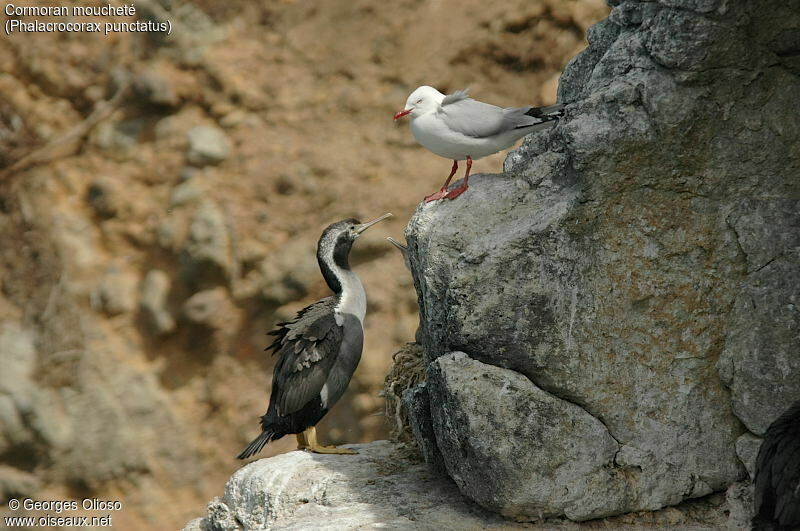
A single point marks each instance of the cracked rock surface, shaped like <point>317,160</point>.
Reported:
<point>378,488</point>
<point>386,487</point>
<point>634,272</point>
<point>486,452</point>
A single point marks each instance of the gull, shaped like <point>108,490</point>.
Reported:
<point>460,128</point>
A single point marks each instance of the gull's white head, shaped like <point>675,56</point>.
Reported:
<point>423,100</point>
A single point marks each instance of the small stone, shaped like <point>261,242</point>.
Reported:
<point>166,234</point>
<point>17,483</point>
<point>116,293</point>
<point>284,277</point>
<point>155,87</point>
<point>102,198</point>
<point>211,308</point>
<point>284,185</point>
<point>188,172</point>
<point>153,301</point>
<point>185,193</point>
<point>18,391</point>
<point>119,138</point>
<point>207,146</point>
<point>206,254</point>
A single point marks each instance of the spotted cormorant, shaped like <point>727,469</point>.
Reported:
<point>319,349</point>
<point>776,497</point>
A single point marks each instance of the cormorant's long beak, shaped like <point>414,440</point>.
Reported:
<point>400,114</point>
<point>403,248</point>
<point>364,226</point>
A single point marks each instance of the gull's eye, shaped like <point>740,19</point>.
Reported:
<point>419,101</point>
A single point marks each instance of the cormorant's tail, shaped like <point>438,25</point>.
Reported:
<point>258,443</point>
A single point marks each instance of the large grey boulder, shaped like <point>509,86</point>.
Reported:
<point>497,431</point>
<point>638,262</point>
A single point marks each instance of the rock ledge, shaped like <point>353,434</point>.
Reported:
<point>383,486</point>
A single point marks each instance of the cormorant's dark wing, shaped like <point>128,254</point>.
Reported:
<point>308,346</point>
<point>777,483</point>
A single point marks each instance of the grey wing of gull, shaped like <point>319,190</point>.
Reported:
<point>456,96</point>
<point>472,118</point>
<point>476,119</point>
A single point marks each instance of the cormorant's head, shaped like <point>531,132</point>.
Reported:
<point>337,240</point>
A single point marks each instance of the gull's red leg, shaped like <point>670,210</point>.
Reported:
<point>443,190</point>
<point>455,192</point>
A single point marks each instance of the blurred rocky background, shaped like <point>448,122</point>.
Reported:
<point>160,202</point>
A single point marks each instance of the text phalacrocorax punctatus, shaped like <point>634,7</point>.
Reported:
<point>319,349</point>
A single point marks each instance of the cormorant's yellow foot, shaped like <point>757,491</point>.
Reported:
<point>310,436</point>
<point>301,441</point>
<point>331,450</point>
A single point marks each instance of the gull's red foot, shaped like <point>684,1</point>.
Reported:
<point>437,195</point>
<point>455,192</point>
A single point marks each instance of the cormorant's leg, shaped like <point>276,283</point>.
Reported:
<point>455,192</point>
<point>443,191</point>
<point>313,446</point>
<point>301,441</point>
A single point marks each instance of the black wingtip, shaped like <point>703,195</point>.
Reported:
<point>551,112</point>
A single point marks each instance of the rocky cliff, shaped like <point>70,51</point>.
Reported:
<point>386,487</point>
<point>626,293</point>
<point>160,201</point>
<point>610,323</point>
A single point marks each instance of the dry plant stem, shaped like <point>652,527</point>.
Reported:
<point>407,371</point>
<point>48,152</point>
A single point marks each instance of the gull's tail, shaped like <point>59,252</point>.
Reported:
<point>545,114</point>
